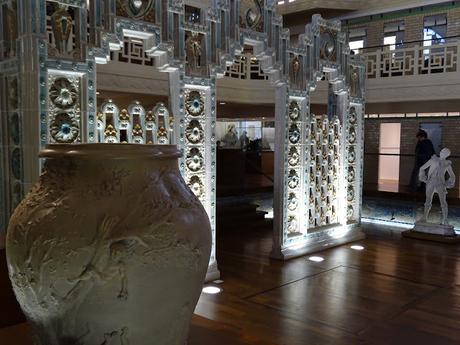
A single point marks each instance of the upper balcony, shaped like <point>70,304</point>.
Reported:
<point>413,73</point>
<point>397,80</point>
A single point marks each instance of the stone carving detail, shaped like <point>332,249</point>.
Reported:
<point>194,103</point>
<point>135,125</point>
<point>64,108</point>
<point>328,48</point>
<point>355,82</point>
<point>196,186</point>
<point>324,167</point>
<point>296,76</point>
<point>251,14</point>
<point>63,93</point>
<point>353,148</point>
<point>294,134</point>
<point>137,9</point>
<point>109,230</point>
<point>61,23</point>
<point>194,159</point>
<point>294,111</point>
<point>194,53</point>
<point>194,132</point>
<point>64,128</point>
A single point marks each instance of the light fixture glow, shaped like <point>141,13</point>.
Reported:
<point>316,258</point>
<point>211,290</point>
<point>357,247</point>
<point>222,103</point>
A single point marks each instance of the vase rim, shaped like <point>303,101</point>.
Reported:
<point>110,151</point>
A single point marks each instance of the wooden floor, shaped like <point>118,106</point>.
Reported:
<point>395,291</point>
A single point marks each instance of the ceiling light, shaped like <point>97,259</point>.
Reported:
<point>357,247</point>
<point>211,290</point>
<point>316,258</point>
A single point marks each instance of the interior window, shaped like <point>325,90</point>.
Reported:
<point>394,35</point>
<point>357,39</point>
<point>434,30</point>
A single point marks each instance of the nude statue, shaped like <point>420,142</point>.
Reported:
<point>436,182</point>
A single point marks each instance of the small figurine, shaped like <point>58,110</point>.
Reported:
<point>436,182</point>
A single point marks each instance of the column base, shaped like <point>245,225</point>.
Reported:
<point>320,240</point>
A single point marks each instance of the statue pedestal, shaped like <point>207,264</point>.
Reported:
<point>435,229</point>
<point>433,232</point>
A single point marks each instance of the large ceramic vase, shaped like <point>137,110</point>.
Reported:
<point>109,247</point>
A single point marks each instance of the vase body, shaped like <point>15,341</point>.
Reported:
<point>109,247</point>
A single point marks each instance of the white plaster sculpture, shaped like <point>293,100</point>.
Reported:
<point>109,247</point>
<point>433,173</point>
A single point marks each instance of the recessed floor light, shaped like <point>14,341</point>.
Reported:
<point>211,290</point>
<point>357,247</point>
<point>316,258</point>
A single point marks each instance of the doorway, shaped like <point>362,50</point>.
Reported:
<point>389,151</point>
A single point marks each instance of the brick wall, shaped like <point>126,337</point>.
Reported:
<point>413,26</point>
<point>409,127</point>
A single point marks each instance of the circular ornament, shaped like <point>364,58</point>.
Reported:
<point>194,132</point>
<point>194,103</point>
<point>194,160</point>
<point>64,128</point>
<point>63,93</point>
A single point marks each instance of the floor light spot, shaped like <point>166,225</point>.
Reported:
<point>211,290</point>
<point>316,258</point>
<point>357,247</point>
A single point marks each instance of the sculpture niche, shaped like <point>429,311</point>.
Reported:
<point>438,175</point>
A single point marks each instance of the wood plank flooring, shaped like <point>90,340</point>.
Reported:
<point>395,291</point>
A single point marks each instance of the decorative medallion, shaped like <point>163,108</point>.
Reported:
<point>293,157</point>
<point>294,111</point>
<point>352,116</point>
<point>292,202</point>
<point>352,135</point>
<point>351,155</point>
<point>136,9</point>
<point>251,14</point>
<point>194,103</point>
<point>196,186</point>
<point>292,224</point>
<point>294,134</point>
<point>328,48</point>
<point>63,93</point>
<point>293,179</point>
<point>351,174</point>
<point>194,160</point>
<point>350,211</point>
<point>194,132</point>
<point>64,127</point>
<point>350,193</point>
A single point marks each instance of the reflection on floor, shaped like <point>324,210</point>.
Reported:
<point>394,291</point>
<point>388,186</point>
